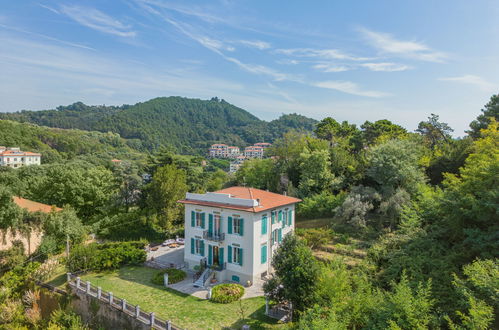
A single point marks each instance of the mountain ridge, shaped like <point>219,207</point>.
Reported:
<point>188,125</point>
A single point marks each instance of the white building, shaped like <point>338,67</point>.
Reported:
<point>14,157</point>
<point>236,164</point>
<point>220,150</point>
<point>236,230</point>
<point>253,152</point>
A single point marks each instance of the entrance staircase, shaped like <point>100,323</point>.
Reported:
<point>202,279</point>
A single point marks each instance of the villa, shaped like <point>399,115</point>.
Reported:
<point>14,157</point>
<point>236,231</point>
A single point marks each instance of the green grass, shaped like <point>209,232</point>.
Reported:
<point>133,283</point>
<point>59,277</point>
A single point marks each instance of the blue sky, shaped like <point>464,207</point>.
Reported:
<point>352,60</point>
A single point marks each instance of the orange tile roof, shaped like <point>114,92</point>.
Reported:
<point>268,200</point>
<point>32,206</point>
<point>18,153</point>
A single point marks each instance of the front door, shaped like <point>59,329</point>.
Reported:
<point>216,226</point>
<point>216,255</point>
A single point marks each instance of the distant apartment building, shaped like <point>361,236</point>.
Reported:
<point>236,164</point>
<point>253,152</point>
<point>264,145</point>
<point>14,157</point>
<point>220,150</point>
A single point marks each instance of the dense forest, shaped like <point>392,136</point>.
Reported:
<point>396,230</point>
<point>189,126</point>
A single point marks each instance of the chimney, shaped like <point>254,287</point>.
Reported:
<point>258,201</point>
<point>285,193</point>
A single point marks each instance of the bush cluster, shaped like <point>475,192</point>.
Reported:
<point>99,257</point>
<point>227,293</point>
<point>174,276</point>
<point>320,205</point>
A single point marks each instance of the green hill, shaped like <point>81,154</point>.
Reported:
<point>57,144</point>
<point>189,125</point>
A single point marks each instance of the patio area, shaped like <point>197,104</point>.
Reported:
<point>162,257</point>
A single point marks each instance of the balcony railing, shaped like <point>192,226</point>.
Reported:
<point>220,267</point>
<point>213,236</point>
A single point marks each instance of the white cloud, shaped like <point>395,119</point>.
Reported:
<point>349,88</point>
<point>386,43</point>
<point>97,20</point>
<point>388,67</point>
<point>49,8</point>
<point>473,80</point>
<point>331,67</point>
<point>258,44</point>
<point>328,54</point>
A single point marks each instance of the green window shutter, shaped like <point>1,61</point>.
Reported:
<point>192,245</point>
<point>272,215</point>
<point>221,256</point>
<point>202,247</point>
<point>210,224</point>
<point>229,254</point>
<point>210,254</point>
<point>264,225</point>
<point>264,254</point>
<point>235,278</point>
<point>193,219</point>
<point>240,256</point>
<point>290,217</point>
<point>241,226</point>
<point>279,233</point>
<point>229,225</point>
<point>280,216</point>
<point>202,220</point>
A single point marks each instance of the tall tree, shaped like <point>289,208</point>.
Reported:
<point>380,131</point>
<point>168,185</point>
<point>490,110</point>
<point>297,274</point>
<point>434,131</point>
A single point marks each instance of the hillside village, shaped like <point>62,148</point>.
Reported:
<point>118,226</point>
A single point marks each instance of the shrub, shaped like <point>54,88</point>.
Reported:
<point>320,205</point>
<point>315,237</point>
<point>174,276</point>
<point>227,293</point>
<point>106,256</point>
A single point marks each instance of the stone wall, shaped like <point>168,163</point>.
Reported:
<point>103,315</point>
<point>30,245</point>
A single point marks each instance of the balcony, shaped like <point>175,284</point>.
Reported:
<point>218,267</point>
<point>213,236</point>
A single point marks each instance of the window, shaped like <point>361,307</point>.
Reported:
<point>275,236</point>
<point>263,256</point>
<point>235,255</point>
<point>273,217</point>
<point>264,224</point>
<point>197,246</point>
<point>237,226</point>
<point>199,220</point>
<point>285,218</point>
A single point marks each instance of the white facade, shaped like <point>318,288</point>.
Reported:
<point>14,157</point>
<point>251,236</point>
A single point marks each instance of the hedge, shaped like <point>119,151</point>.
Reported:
<point>174,276</point>
<point>227,293</point>
<point>99,257</point>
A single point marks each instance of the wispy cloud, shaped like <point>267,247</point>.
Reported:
<point>327,54</point>
<point>387,44</point>
<point>49,8</point>
<point>258,44</point>
<point>473,80</point>
<point>73,44</point>
<point>325,67</point>
<point>387,67</point>
<point>349,88</point>
<point>97,20</point>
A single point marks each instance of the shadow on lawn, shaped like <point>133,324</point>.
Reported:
<point>143,275</point>
<point>256,320</point>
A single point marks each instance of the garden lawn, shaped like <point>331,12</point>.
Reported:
<point>133,283</point>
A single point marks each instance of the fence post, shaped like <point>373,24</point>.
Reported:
<point>99,292</point>
<point>68,276</point>
<point>110,298</point>
<point>137,311</point>
<point>152,318</point>
<point>123,304</point>
<point>88,287</point>
<point>168,325</point>
<point>78,280</point>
